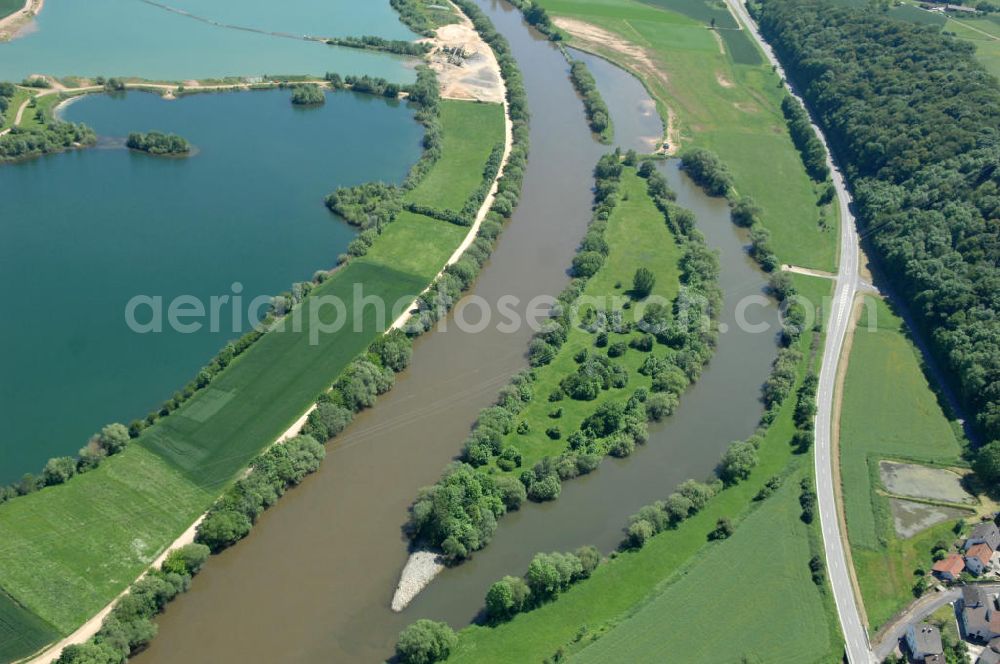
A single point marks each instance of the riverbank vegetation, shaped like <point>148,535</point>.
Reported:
<point>885,374</point>
<point>593,103</point>
<point>157,143</point>
<point>722,99</point>
<point>119,516</point>
<point>926,196</point>
<point>600,371</point>
<point>681,566</point>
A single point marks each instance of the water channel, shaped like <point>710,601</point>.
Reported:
<point>314,580</point>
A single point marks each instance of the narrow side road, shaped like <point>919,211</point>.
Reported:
<point>847,282</point>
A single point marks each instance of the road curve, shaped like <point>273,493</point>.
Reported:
<point>856,642</point>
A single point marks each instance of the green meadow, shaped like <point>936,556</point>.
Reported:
<point>473,131</point>
<point>67,550</point>
<point>889,411</point>
<point>631,584</point>
<point>727,101</point>
<point>756,579</point>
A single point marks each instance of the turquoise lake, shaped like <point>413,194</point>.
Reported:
<point>85,231</point>
<point>139,38</point>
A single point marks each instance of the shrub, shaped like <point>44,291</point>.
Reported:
<point>723,529</point>
<point>738,461</point>
<point>425,642</point>
<point>643,282</point>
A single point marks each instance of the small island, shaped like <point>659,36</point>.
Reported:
<point>308,95</point>
<point>158,144</point>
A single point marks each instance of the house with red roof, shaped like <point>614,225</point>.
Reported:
<point>949,568</point>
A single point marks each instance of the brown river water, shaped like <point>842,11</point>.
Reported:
<point>313,581</point>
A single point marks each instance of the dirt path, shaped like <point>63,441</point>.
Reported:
<point>632,57</point>
<point>10,25</point>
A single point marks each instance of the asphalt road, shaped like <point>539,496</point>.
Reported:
<point>848,282</point>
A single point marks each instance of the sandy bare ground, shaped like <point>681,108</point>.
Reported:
<point>466,67</point>
<point>12,24</point>
<point>634,57</point>
<point>721,79</point>
<point>808,271</point>
<point>838,403</point>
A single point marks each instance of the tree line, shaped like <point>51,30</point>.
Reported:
<point>916,121</point>
<point>597,111</point>
<point>373,43</point>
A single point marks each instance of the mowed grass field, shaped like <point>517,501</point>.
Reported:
<point>889,412</point>
<point>638,237</point>
<point>635,579</point>
<point>755,579</point>
<point>66,551</point>
<point>727,101</point>
<point>472,132</point>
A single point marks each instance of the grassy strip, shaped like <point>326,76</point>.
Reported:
<point>472,133</point>
<point>718,101</point>
<point>885,376</point>
<point>69,549</point>
<point>630,578</point>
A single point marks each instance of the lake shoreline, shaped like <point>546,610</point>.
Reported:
<point>12,24</point>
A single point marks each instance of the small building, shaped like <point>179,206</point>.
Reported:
<point>985,532</point>
<point>923,640</point>
<point>949,567</point>
<point>977,558</point>
<point>982,622</point>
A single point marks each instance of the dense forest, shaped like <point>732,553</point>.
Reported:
<point>915,121</point>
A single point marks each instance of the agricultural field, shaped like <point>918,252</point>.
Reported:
<point>720,95</point>
<point>113,521</point>
<point>21,632</point>
<point>473,131</point>
<point>638,236</point>
<point>636,578</point>
<point>756,579</point>
<point>885,377</point>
